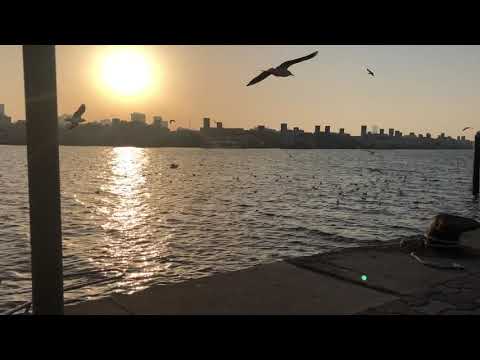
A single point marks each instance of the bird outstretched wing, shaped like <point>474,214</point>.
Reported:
<point>468,127</point>
<point>80,111</point>
<point>263,75</point>
<point>286,64</point>
<point>370,72</point>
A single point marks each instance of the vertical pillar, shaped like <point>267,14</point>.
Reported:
<point>476,164</point>
<point>43,178</point>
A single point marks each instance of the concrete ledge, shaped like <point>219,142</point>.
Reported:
<point>272,289</point>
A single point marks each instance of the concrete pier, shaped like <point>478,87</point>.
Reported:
<point>367,280</point>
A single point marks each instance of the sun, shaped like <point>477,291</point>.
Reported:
<point>127,72</point>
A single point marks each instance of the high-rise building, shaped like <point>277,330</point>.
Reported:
<point>363,130</point>
<point>327,129</point>
<point>317,129</point>
<point>391,132</point>
<point>138,117</point>
<point>283,127</point>
<point>206,123</point>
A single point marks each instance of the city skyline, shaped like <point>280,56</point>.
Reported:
<point>427,88</point>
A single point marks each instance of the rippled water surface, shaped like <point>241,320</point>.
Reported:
<point>221,209</point>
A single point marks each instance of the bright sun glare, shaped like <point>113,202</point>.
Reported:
<point>127,72</point>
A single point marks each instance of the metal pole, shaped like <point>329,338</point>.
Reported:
<point>476,165</point>
<point>43,178</point>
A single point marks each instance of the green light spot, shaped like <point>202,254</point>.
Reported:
<point>364,277</point>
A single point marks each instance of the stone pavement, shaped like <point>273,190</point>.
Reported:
<point>372,280</point>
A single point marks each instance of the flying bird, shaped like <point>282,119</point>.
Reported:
<point>281,70</point>
<point>76,118</point>
<point>468,127</point>
<point>370,72</point>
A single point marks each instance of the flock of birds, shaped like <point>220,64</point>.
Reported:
<point>282,69</point>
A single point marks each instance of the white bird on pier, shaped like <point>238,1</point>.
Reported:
<point>281,70</point>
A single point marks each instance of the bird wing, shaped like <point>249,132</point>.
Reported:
<point>80,111</point>
<point>370,71</point>
<point>286,64</point>
<point>468,127</point>
<point>263,75</point>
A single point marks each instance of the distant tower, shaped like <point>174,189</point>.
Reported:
<point>219,125</point>
<point>363,131</point>
<point>206,123</point>
<point>327,129</point>
<point>317,129</point>
<point>382,131</point>
<point>391,131</point>
<point>342,131</point>
<point>283,127</point>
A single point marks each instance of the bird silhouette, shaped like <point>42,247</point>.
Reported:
<point>76,118</point>
<point>370,72</point>
<point>281,70</point>
<point>468,127</point>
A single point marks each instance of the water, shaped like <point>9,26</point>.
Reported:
<point>222,209</point>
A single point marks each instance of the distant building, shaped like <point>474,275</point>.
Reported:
<point>2,110</point>
<point>382,131</point>
<point>206,123</point>
<point>261,127</point>
<point>397,133</point>
<point>158,121</point>
<point>219,125</point>
<point>342,131</point>
<point>463,138</point>
<point>442,136</point>
<point>429,136</point>
<point>363,130</point>
<point>317,129</point>
<point>283,128</point>
<point>138,117</point>
<point>327,130</point>
<point>412,134</point>
<point>420,136</point>
<point>115,121</point>
<point>391,132</point>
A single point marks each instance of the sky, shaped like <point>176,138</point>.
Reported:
<point>416,88</point>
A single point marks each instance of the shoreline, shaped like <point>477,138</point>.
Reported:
<point>375,279</point>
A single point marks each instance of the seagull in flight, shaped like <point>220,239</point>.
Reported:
<point>281,70</point>
<point>370,72</point>
<point>468,127</point>
<point>76,118</point>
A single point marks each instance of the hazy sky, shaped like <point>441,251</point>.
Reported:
<point>416,88</point>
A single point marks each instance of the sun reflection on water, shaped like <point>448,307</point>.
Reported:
<point>130,240</point>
